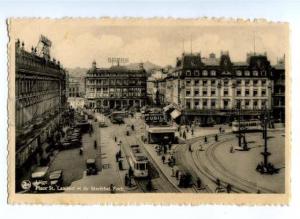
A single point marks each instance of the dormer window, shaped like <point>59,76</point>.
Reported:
<point>238,73</point>
<point>188,73</point>
<point>247,73</point>
<point>213,73</point>
<point>255,73</point>
<point>204,73</point>
<point>196,72</point>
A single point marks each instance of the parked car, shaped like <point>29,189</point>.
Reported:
<point>56,178</point>
<point>91,168</point>
<point>102,124</point>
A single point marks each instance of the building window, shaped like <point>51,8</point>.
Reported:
<point>247,103</point>
<point>255,93</point>
<point>196,104</point>
<point>226,82</point>
<point>263,73</point>
<point>255,104</point>
<point>196,82</point>
<point>196,92</point>
<point>188,73</point>
<point>226,103</point>
<point>204,82</point>
<point>263,92</point>
<point>238,92</point>
<point>247,92</point>
<point>196,72</point>
<point>213,92</point>
<point>263,103</point>
<point>213,82</point>
<point>225,93</point>
<point>239,73</point>
<point>204,103</point>
<point>247,82</point>
<point>204,92</point>
<point>188,104</point>
<point>255,82</point>
<point>188,93</point>
<point>263,82</point>
<point>247,73</point>
<point>213,73</point>
<point>255,73</point>
<point>188,82</point>
<point>238,82</point>
<point>213,104</point>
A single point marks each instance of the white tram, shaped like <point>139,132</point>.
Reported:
<point>247,126</point>
<point>138,161</point>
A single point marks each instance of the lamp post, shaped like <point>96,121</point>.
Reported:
<point>265,167</point>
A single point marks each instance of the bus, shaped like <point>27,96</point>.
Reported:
<point>138,162</point>
<point>246,126</point>
<point>117,117</point>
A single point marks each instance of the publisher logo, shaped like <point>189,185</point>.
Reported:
<point>25,184</point>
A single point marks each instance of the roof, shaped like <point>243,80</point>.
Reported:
<point>39,172</point>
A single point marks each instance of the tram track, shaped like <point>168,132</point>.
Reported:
<point>160,184</point>
<point>239,185</point>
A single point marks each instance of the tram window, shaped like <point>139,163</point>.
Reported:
<point>142,166</point>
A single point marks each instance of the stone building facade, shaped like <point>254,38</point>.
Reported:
<point>213,88</point>
<point>117,87</point>
<point>40,90</point>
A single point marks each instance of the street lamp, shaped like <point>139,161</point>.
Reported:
<point>240,135</point>
<point>265,167</point>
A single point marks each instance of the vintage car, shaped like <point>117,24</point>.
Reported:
<point>56,178</point>
<point>91,168</point>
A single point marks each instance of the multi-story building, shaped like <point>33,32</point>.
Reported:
<point>76,92</point>
<point>213,88</point>
<point>117,87</point>
<point>40,91</point>
<point>278,96</point>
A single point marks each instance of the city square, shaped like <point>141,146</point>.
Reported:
<point>208,122</point>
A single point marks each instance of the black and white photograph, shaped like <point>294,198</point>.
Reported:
<point>160,106</point>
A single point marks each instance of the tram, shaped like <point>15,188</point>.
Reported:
<point>138,162</point>
<point>246,126</point>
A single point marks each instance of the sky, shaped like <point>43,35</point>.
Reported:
<point>76,43</point>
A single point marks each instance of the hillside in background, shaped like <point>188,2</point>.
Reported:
<point>77,72</point>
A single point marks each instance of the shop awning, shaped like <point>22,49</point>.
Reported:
<point>175,113</point>
<point>167,108</point>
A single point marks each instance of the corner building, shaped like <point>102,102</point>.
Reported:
<point>40,90</point>
<point>117,87</point>
<point>213,88</point>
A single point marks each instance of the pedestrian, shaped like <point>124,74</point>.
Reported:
<point>220,129</point>
<point>112,188</point>
<point>130,172</point>
<point>132,127</point>
<point>173,172</point>
<point>163,158</point>
<point>120,165</point>
<point>184,135</point>
<point>115,138</point>
<point>199,183</point>
<point>190,148</point>
<point>228,188</point>
<point>205,139</point>
<point>218,182</point>
<point>95,144</point>
<point>126,179</point>
<point>117,157</point>
<point>216,137</point>
<point>192,131</point>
